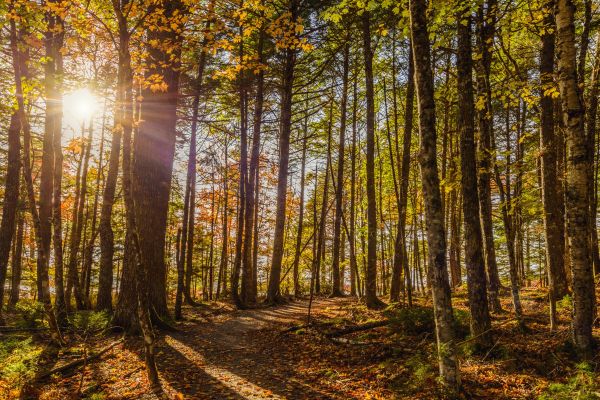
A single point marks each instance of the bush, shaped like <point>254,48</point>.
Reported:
<point>418,320</point>
<point>90,321</point>
<point>411,321</point>
<point>30,314</point>
<point>565,304</point>
<point>18,360</point>
<point>582,386</point>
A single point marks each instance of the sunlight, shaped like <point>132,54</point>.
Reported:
<point>79,106</point>
<point>235,383</point>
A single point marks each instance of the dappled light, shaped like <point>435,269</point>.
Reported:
<point>293,199</point>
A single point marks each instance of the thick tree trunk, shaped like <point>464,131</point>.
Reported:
<point>125,316</point>
<point>285,127</point>
<point>153,154</point>
<point>438,272</point>
<point>476,279</point>
<point>577,180</point>
<point>248,280</point>
<point>592,112</point>
<point>20,71</point>
<point>553,210</point>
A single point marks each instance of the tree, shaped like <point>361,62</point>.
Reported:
<point>438,273</point>
<point>480,317</point>
<point>337,282</point>
<point>371,271</point>
<point>285,126</point>
<point>577,201</point>
<point>154,148</point>
<point>553,207</point>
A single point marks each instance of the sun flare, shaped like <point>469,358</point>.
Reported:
<point>79,106</point>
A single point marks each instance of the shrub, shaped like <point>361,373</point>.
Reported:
<point>30,314</point>
<point>582,385</point>
<point>18,360</point>
<point>418,320</point>
<point>89,321</point>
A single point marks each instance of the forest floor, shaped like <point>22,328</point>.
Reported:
<point>221,353</point>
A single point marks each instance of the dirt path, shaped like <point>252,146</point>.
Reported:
<point>228,358</point>
<point>219,353</point>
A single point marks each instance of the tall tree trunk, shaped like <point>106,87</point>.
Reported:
<point>592,112</point>
<point>506,211</point>
<point>438,273</point>
<point>324,207</point>
<point>153,154</point>
<point>577,180</point>
<point>241,217</point>
<point>553,210</point>
<point>73,281</point>
<point>43,256</point>
<point>371,273</point>
<point>400,253</point>
<point>298,251</point>
<point>336,290</point>
<point>285,127</point>
<point>354,274</point>
<point>475,265</point>
<point>225,235</point>
<point>248,283</point>
<point>88,252</point>
<point>486,26</point>
<point>107,241</point>
<point>11,200</point>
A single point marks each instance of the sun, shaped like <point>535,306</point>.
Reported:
<point>79,106</point>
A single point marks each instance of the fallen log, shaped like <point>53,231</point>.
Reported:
<point>357,328</point>
<point>78,362</point>
<point>10,329</point>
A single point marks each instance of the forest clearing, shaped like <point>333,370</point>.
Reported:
<point>299,199</point>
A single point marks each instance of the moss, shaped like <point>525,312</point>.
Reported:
<point>582,386</point>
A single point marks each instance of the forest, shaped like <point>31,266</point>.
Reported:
<point>299,199</point>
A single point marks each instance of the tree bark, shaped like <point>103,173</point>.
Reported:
<point>486,25</point>
<point>476,279</point>
<point>336,289</point>
<point>285,127</point>
<point>371,271</point>
<point>577,180</point>
<point>17,261</point>
<point>153,154</point>
<point>298,251</point>
<point>553,210</point>
<point>11,200</point>
<point>249,288</point>
<point>438,272</point>
<point>20,71</point>
<point>400,253</point>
